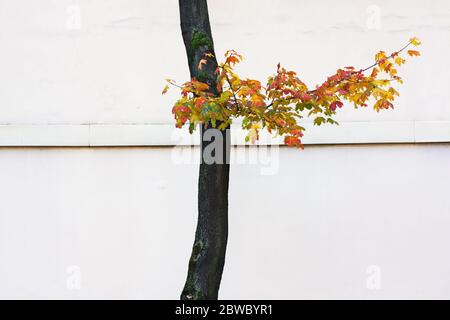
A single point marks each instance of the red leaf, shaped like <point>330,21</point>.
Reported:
<point>293,142</point>
<point>336,104</point>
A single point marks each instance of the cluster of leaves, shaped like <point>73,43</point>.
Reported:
<point>285,99</point>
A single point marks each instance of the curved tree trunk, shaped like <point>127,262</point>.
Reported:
<point>208,252</point>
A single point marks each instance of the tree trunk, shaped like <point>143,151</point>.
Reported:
<point>208,252</point>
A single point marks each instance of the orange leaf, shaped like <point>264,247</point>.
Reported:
<point>199,102</point>
<point>199,86</point>
<point>413,53</point>
<point>293,141</point>
<point>232,60</point>
<point>201,63</point>
<point>374,73</point>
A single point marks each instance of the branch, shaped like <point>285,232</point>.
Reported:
<point>355,72</point>
<point>369,67</point>
<point>232,90</point>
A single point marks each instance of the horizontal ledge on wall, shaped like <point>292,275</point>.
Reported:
<point>93,135</point>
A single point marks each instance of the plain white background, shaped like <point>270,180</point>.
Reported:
<point>126,219</point>
<point>350,221</point>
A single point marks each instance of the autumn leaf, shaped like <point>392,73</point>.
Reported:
<point>199,102</point>
<point>319,120</point>
<point>284,99</point>
<point>257,101</point>
<point>305,96</point>
<point>380,57</point>
<point>375,72</point>
<point>296,133</point>
<point>199,86</point>
<point>232,60</point>
<point>415,41</point>
<point>336,104</point>
<point>293,141</point>
<point>166,88</point>
<point>413,53</point>
<point>399,61</point>
<point>201,63</point>
<point>253,134</point>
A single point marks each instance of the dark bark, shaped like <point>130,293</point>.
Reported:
<point>208,252</point>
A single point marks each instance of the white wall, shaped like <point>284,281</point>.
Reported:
<point>126,218</point>
<point>303,225</point>
<point>83,62</point>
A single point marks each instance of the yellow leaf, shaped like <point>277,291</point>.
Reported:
<point>392,72</point>
<point>253,133</point>
<point>165,89</point>
<point>380,56</point>
<point>394,92</point>
<point>235,83</point>
<point>399,61</point>
<point>415,41</point>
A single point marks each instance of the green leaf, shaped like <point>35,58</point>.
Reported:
<point>191,128</point>
<point>319,120</point>
<point>329,120</point>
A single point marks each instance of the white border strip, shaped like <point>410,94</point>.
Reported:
<point>93,135</point>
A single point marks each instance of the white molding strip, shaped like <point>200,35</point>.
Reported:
<point>95,135</point>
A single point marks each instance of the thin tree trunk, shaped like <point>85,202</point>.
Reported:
<point>208,252</point>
